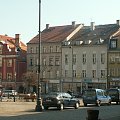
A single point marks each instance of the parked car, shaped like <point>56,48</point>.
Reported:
<point>114,93</point>
<point>60,100</point>
<point>7,93</point>
<point>96,96</point>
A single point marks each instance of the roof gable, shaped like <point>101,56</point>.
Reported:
<point>11,42</point>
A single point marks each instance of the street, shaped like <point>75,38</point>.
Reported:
<point>105,112</point>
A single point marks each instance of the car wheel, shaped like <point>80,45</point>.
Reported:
<point>109,103</point>
<point>76,105</point>
<point>61,107</point>
<point>46,108</point>
<point>117,103</point>
<point>85,104</point>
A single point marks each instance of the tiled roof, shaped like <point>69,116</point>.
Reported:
<point>54,34</point>
<point>100,32</point>
<point>11,42</point>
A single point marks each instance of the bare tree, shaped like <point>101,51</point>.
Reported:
<point>30,79</point>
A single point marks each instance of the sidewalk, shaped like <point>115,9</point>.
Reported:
<point>14,107</point>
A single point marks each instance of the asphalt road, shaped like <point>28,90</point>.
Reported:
<point>26,111</point>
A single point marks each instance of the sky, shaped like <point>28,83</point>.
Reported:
<point>22,16</point>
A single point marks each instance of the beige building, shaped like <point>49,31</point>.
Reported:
<point>85,56</point>
<point>84,66</point>
<point>51,41</point>
<point>74,57</point>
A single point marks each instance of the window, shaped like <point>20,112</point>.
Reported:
<point>31,62</point>
<point>51,49</point>
<point>112,58</point>
<point>94,73</point>
<point>57,73</point>
<point>44,61</point>
<point>117,57</point>
<point>66,59</point>
<point>66,73</point>
<point>84,58</point>
<point>94,58</point>
<point>51,61</point>
<point>102,58</point>
<point>44,50</point>
<point>102,73</point>
<point>74,73</point>
<point>57,48</point>
<point>113,43</point>
<point>74,59</point>
<point>9,63</point>
<point>57,60</point>
<point>9,76</point>
<point>31,50</point>
<point>83,73</point>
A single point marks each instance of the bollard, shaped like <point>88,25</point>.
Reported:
<point>93,114</point>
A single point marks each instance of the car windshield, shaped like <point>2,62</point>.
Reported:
<point>89,93</point>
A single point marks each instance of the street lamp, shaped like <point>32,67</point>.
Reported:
<point>72,64</point>
<point>108,82</point>
<point>39,106</point>
<point>15,87</point>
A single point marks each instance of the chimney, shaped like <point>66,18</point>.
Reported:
<point>47,26</point>
<point>118,22</point>
<point>92,25</point>
<point>17,38</point>
<point>73,23</point>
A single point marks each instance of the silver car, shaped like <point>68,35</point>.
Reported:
<point>96,96</point>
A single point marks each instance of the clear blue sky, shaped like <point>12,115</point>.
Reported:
<point>21,16</point>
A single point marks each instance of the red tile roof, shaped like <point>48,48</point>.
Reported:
<point>11,42</point>
<point>54,34</point>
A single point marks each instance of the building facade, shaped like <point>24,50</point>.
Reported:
<point>51,51</point>
<point>84,66</point>
<point>114,61</point>
<point>74,57</point>
<point>12,62</point>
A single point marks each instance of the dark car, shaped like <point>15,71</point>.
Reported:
<point>60,100</point>
<point>114,93</point>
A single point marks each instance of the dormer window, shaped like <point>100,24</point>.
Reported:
<point>113,44</point>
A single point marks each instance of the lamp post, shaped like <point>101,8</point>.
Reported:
<point>15,87</point>
<point>108,82</point>
<point>81,83</point>
<point>72,66</point>
<point>39,106</point>
<point>71,47</point>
